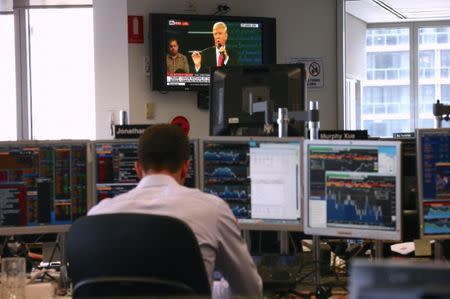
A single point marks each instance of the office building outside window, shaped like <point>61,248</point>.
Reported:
<point>434,71</point>
<point>398,92</point>
<point>386,91</point>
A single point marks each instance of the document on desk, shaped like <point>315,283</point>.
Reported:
<point>317,218</point>
<point>403,248</point>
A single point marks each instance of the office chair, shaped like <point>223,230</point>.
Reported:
<point>125,255</point>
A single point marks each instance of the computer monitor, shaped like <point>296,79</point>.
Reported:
<point>114,167</point>
<point>258,177</point>
<point>43,186</point>
<point>352,189</point>
<point>234,88</point>
<point>399,278</point>
<point>433,174</point>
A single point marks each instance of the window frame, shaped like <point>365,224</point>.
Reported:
<point>413,28</point>
<point>5,9</point>
<point>21,11</point>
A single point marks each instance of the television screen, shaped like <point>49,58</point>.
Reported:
<point>184,47</point>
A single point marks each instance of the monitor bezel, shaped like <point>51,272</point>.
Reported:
<point>374,234</point>
<point>419,134</point>
<point>262,226</point>
<point>50,228</point>
<point>157,48</point>
<point>134,140</point>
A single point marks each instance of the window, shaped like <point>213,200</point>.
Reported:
<point>62,73</point>
<point>55,55</point>
<point>403,78</point>
<point>434,64</point>
<point>385,101</point>
<point>8,111</point>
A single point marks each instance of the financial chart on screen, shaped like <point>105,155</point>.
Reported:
<point>43,183</point>
<point>353,188</point>
<point>434,182</point>
<point>258,178</point>
<point>114,167</point>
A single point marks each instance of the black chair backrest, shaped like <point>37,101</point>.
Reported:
<point>136,245</point>
<point>130,287</point>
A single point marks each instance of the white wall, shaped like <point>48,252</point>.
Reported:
<point>111,63</point>
<point>355,45</point>
<point>305,28</point>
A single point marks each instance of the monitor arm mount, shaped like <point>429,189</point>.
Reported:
<point>441,112</point>
<point>284,116</point>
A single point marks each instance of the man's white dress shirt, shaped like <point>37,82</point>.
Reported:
<point>209,217</point>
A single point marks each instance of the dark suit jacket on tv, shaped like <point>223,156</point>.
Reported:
<point>209,59</point>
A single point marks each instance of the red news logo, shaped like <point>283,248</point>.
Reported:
<point>178,23</point>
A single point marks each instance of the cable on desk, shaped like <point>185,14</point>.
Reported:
<point>291,239</point>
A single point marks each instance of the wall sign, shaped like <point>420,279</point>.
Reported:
<point>135,29</point>
<point>344,134</point>
<point>314,67</point>
<point>129,131</point>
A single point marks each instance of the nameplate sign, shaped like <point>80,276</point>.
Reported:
<point>129,131</point>
<point>343,134</point>
<point>404,135</point>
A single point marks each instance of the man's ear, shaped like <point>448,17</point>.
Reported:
<point>138,169</point>
<point>184,169</point>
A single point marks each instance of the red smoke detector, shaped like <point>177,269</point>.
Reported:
<point>182,122</point>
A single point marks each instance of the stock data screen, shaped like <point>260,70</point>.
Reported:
<point>226,175</point>
<point>258,180</point>
<point>435,174</point>
<point>42,184</point>
<point>115,173</point>
<point>352,186</point>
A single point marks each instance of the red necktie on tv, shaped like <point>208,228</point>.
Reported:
<point>220,62</point>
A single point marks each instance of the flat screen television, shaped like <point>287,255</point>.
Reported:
<point>178,40</point>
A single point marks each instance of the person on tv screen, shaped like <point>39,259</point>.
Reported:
<point>176,62</point>
<point>217,55</point>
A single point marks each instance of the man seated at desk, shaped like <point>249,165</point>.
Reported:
<point>163,163</point>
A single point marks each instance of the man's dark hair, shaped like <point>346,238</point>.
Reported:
<point>163,147</point>
<point>172,40</point>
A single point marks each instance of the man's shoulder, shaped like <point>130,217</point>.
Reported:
<point>206,197</point>
<point>182,56</point>
<point>108,205</point>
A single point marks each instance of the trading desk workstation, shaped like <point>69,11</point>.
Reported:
<point>307,207</point>
<point>347,191</point>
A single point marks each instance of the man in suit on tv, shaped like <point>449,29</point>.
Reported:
<point>217,55</point>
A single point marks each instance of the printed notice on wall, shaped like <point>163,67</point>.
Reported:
<point>314,68</point>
